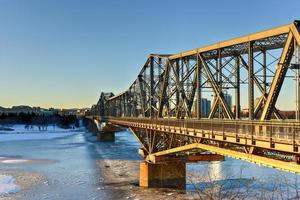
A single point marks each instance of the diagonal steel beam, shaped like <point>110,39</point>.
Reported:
<point>146,148</point>
<point>216,89</point>
<point>264,94</point>
<point>192,96</point>
<point>223,75</point>
<point>278,79</point>
<point>151,95</point>
<point>214,108</point>
<point>295,32</point>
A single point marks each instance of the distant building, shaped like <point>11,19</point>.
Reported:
<point>25,109</point>
<point>82,112</point>
<point>228,99</point>
<point>71,111</point>
<point>205,107</point>
<point>38,110</point>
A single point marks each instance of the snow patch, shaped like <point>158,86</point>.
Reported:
<point>34,133</point>
<point>22,128</point>
<point>15,161</point>
<point>7,185</point>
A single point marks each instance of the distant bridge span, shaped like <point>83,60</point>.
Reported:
<point>165,111</point>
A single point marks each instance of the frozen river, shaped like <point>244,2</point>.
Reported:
<point>72,172</point>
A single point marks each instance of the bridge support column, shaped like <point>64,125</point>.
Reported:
<point>92,127</point>
<point>163,175</point>
<point>106,136</point>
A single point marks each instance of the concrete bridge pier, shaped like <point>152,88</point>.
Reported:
<point>170,172</point>
<point>107,134</point>
<point>163,175</point>
<point>104,132</point>
<point>92,127</point>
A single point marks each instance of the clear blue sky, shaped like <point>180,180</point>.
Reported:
<point>63,53</point>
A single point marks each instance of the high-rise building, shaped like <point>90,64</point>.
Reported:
<point>228,99</point>
<point>205,107</point>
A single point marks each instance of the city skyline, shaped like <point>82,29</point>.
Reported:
<point>64,55</point>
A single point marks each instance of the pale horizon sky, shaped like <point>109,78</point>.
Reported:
<point>64,53</point>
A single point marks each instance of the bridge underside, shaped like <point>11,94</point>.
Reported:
<point>166,140</point>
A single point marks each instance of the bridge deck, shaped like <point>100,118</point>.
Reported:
<point>279,136</point>
<point>271,143</point>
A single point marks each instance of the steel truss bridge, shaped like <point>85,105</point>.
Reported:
<point>163,106</point>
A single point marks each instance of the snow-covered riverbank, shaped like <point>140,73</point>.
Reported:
<point>21,132</point>
<point>14,181</point>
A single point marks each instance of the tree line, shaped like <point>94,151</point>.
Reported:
<point>64,121</point>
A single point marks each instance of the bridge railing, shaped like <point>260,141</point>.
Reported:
<point>284,131</point>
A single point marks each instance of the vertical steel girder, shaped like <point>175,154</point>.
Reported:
<point>177,74</point>
<point>237,90</point>
<point>219,78</point>
<point>264,65</point>
<point>198,99</point>
<point>151,87</point>
<point>250,81</point>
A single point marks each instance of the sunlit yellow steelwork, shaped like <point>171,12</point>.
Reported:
<point>288,166</point>
<point>158,106</point>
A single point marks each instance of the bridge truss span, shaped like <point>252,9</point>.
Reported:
<point>166,107</point>
<point>251,68</point>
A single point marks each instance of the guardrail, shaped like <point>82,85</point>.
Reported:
<point>277,135</point>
